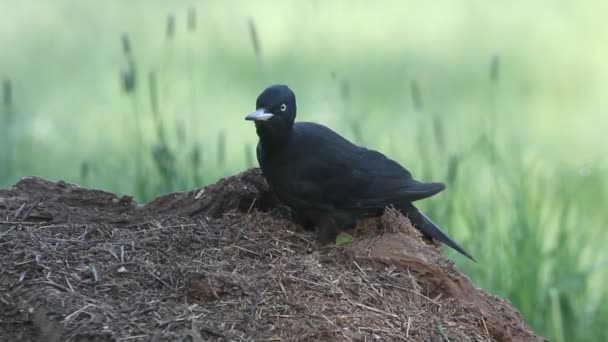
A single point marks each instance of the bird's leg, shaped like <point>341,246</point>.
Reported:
<point>327,230</point>
<point>283,211</point>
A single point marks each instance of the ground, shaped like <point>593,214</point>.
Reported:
<point>226,263</point>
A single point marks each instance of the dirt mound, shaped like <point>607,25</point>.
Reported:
<point>223,263</point>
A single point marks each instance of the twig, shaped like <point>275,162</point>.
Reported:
<point>485,326</point>
<point>414,292</point>
<point>157,278</point>
<point>29,210</point>
<point>255,304</point>
<point>251,206</point>
<point>131,337</point>
<point>363,272</point>
<point>68,282</point>
<point>73,314</point>
<point>376,310</point>
<point>305,281</point>
<point>247,250</point>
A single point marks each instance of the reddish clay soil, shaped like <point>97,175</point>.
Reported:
<point>224,263</point>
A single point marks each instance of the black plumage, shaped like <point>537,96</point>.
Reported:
<point>328,181</point>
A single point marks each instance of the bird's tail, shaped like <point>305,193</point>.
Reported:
<point>429,228</point>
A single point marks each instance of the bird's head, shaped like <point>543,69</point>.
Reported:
<point>275,109</point>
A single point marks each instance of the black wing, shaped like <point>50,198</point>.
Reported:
<point>343,175</point>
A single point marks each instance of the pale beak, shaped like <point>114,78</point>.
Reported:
<point>259,115</point>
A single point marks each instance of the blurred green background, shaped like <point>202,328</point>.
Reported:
<point>506,103</point>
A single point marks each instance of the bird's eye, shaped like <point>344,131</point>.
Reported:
<point>283,107</point>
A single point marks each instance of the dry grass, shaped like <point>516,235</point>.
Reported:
<point>245,275</point>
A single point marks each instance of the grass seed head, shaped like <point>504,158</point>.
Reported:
<point>7,93</point>
<point>255,41</point>
<point>192,20</point>
<point>170,28</point>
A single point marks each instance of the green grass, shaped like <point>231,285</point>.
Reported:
<point>505,103</point>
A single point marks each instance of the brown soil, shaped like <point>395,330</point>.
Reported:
<point>223,263</point>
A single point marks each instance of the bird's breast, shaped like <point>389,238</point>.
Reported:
<point>279,173</point>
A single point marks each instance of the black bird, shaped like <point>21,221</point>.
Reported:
<point>328,181</point>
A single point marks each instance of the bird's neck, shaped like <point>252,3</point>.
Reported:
<point>273,137</point>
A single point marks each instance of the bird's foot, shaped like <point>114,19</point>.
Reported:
<point>283,211</point>
<point>326,233</point>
